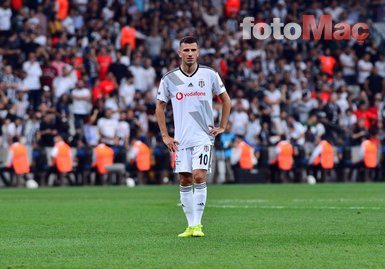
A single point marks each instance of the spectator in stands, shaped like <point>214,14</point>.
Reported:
<point>118,69</point>
<point>123,130</point>
<point>380,65</point>
<point>149,74</point>
<point>81,103</point>
<point>253,130</point>
<point>47,130</point>
<point>104,60</point>
<point>10,83</point>
<point>328,63</point>
<point>374,84</point>
<point>364,67</point>
<point>107,127</point>
<point>63,83</point>
<point>126,91</point>
<point>5,20</point>
<point>63,116</point>
<point>139,74</point>
<point>33,71</point>
<point>239,120</point>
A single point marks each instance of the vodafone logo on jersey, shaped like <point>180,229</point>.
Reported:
<point>179,96</point>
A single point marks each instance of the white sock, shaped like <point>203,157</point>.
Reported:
<point>200,196</point>
<point>187,200</point>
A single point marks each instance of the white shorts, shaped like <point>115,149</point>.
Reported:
<point>189,159</point>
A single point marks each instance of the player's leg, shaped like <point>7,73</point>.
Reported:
<point>201,166</point>
<point>183,167</point>
<point>187,201</point>
<point>200,197</point>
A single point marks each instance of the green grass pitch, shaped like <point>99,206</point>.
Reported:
<point>246,226</point>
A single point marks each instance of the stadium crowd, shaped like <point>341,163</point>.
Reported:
<point>87,71</point>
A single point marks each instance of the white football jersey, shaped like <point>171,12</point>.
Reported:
<point>192,101</point>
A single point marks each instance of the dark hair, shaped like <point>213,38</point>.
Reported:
<point>188,40</point>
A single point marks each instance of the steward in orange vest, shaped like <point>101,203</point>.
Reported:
<point>103,155</point>
<point>369,154</point>
<point>143,156</point>
<point>367,162</point>
<point>242,159</point>
<point>18,158</point>
<point>61,156</point>
<point>140,159</point>
<point>243,154</point>
<point>284,155</point>
<point>322,157</point>
<point>17,162</point>
<point>62,161</point>
<point>282,159</point>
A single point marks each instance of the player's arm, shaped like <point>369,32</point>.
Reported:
<point>226,108</point>
<point>161,118</point>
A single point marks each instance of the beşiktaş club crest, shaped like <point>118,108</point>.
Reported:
<point>201,83</point>
<point>206,148</point>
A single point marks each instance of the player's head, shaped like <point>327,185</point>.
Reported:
<point>188,50</point>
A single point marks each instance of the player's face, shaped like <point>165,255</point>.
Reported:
<point>189,53</point>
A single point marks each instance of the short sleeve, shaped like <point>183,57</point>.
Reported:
<point>218,86</point>
<point>163,93</point>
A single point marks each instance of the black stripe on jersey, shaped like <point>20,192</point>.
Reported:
<point>175,69</point>
<point>189,76</point>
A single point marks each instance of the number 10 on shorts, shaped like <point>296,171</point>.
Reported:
<point>202,157</point>
<point>192,158</point>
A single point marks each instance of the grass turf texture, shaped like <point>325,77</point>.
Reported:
<point>246,226</point>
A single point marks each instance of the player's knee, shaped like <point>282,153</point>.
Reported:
<point>185,180</point>
<point>199,177</point>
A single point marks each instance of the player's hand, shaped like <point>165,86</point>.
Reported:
<point>216,130</point>
<point>171,143</point>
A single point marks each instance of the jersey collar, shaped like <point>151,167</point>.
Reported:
<point>196,70</point>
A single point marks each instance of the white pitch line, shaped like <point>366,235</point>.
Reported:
<point>298,207</point>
